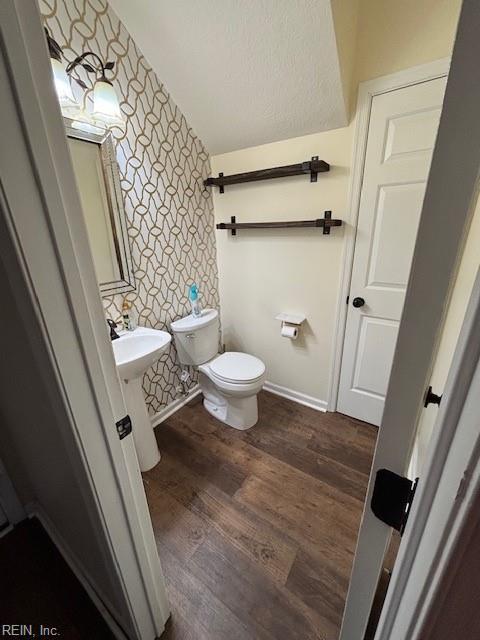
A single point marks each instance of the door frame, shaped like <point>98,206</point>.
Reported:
<point>366,92</point>
<point>449,487</point>
<point>450,199</point>
<point>51,271</point>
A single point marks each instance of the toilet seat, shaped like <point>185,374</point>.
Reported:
<point>236,367</point>
<point>229,381</point>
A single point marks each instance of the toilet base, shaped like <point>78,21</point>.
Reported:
<point>240,417</point>
<point>239,413</point>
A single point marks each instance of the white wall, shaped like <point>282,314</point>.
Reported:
<point>395,35</point>
<point>265,272</point>
<point>346,19</point>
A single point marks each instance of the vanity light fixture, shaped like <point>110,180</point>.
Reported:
<point>106,111</point>
<point>106,107</point>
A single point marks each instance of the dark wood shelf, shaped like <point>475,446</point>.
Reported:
<point>323,223</point>
<point>312,167</point>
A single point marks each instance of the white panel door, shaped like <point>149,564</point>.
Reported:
<point>402,131</point>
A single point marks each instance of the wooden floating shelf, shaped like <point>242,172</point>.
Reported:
<point>324,223</point>
<point>312,167</point>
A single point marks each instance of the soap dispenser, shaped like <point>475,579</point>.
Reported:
<point>193,297</point>
<point>127,316</point>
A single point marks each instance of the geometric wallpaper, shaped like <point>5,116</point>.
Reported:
<point>162,166</point>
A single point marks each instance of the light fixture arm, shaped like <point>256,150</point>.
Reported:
<point>54,48</point>
<point>100,68</point>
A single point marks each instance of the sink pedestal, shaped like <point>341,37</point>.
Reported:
<point>134,352</point>
<point>143,436</point>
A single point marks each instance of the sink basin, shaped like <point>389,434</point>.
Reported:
<point>134,352</point>
<point>137,350</point>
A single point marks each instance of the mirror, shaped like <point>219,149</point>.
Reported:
<point>96,171</point>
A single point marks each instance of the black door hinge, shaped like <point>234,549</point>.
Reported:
<point>392,498</point>
<point>124,427</point>
<point>431,398</point>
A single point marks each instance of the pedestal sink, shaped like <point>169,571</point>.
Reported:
<point>134,352</point>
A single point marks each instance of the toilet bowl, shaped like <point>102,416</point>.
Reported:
<point>229,381</point>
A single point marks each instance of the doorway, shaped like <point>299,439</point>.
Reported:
<point>256,606</point>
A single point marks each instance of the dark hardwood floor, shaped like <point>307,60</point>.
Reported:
<point>256,530</point>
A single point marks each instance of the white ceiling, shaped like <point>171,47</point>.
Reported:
<point>243,72</point>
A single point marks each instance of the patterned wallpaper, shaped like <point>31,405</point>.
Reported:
<point>162,166</point>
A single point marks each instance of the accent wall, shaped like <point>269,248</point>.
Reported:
<point>162,167</point>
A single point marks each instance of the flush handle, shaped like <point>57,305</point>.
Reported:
<point>190,336</point>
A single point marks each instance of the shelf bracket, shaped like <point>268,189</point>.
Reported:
<point>326,227</point>
<point>313,173</point>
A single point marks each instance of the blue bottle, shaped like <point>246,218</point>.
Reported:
<point>193,297</point>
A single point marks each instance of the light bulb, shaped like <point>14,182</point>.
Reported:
<point>69,106</point>
<point>106,108</point>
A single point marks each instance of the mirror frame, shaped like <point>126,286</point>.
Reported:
<point>116,210</point>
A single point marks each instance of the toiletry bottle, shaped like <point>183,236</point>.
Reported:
<point>193,297</point>
<point>127,319</point>
<point>133,318</point>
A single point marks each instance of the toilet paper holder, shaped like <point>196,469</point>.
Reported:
<point>290,320</point>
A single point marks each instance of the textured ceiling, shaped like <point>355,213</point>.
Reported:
<point>243,72</point>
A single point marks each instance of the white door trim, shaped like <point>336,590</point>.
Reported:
<point>52,273</point>
<point>366,92</point>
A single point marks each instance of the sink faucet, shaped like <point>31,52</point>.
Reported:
<point>113,325</point>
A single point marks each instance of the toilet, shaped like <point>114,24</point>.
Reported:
<point>229,381</point>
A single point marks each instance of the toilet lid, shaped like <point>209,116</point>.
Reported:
<point>234,366</point>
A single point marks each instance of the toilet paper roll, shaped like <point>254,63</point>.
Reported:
<point>289,331</point>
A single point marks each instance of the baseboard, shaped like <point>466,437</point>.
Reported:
<point>174,406</point>
<point>36,511</point>
<point>290,394</point>
<point>296,396</point>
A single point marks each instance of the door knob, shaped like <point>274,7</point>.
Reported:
<point>358,302</point>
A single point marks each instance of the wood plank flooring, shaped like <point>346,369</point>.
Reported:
<point>256,530</point>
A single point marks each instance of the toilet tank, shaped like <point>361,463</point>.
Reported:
<point>196,338</point>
